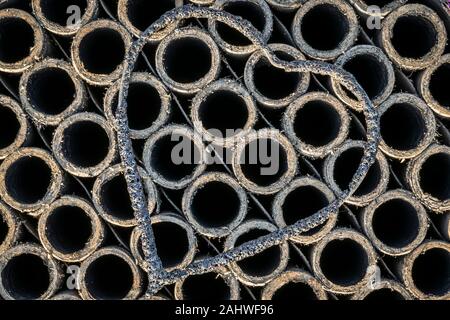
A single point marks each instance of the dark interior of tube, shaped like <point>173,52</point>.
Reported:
<point>172,243</point>
<point>317,123</point>
<point>27,180</point>
<point>431,271</point>
<point>384,294</point>
<point>395,223</point>
<point>85,143</point>
<point>115,200</point>
<point>142,13</point>
<point>68,229</point>
<point>380,3</point>
<point>261,264</point>
<point>435,176</point>
<point>51,90</point>
<point>344,262</point>
<point>9,127</point>
<point>294,292</point>
<point>324,27</point>
<point>402,126</point>
<point>102,51</point>
<point>26,277</point>
<point>109,277</point>
<point>413,36</point>
<point>207,286</point>
<point>439,85</point>
<point>16,39</point>
<point>4,228</point>
<point>60,11</point>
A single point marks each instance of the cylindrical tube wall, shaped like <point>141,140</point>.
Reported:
<point>377,8</point>
<point>10,228</point>
<point>384,290</point>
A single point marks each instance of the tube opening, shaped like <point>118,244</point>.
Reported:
<point>380,3</point>
<point>68,229</point>
<point>439,81</point>
<point>208,286</point>
<point>26,276</point>
<point>187,59</point>
<point>102,51</point>
<point>263,263</point>
<point>344,262</point>
<point>9,127</point>
<point>431,271</point>
<point>402,126</point>
<point>317,123</point>
<point>56,10</point>
<point>246,10</point>
<point>413,36</point>
<point>172,243</point>
<point>109,277</point>
<point>16,39</point>
<point>142,13</point>
<point>51,90</point>
<point>294,291</point>
<point>324,27</point>
<point>395,223</point>
<point>28,179</point>
<point>85,143</point>
<point>435,176</point>
<point>384,294</point>
<point>114,198</point>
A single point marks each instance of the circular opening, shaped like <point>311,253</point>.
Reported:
<point>264,161</point>
<point>431,271</point>
<point>51,90</point>
<point>384,294</point>
<point>9,127</point>
<point>344,262</point>
<point>142,13</point>
<point>272,82</point>
<point>246,10</point>
<point>109,277</point>
<point>324,27</point>
<point>438,85</point>
<point>413,36</point>
<point>115,200</point>
<point>208,286</point>
<point>143,105</point>
<point>102,51</point>
<point>435,176</point>
<point>16,39</point>
<point>402,126</point>
<point>317,123</point>
<point>174,157</point>
<point>26,277</point>
<point>345,167</point>
<point>85,143</point>
<point>172,243</point>
<point>187,59</point>
<point>223,110</point>
<point>294,291</point>
<point>205,209</point>
<point>263,263</point>
<point>61,11</point>
<point>28,179</point>
<point>68,229</point>
<point>4,229</point>
<point>395,223</point>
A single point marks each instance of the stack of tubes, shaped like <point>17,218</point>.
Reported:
<point>67,227</point>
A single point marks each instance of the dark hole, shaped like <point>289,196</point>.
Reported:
<point>413,36</point>
<point>26,277</point>
<point>345,167</point>
<point>51,90</point>
<point>27,180</point>
<point>324,27</point>
<point>402,126</point>
<point>187,59</point>
<point>142,13</point>
<point>57,10</point>
<point>205,208</point>
<point>181,164</point>
<point>439,85</point>
<point>264,161</point>
<point>431,271</point>
<point>9,127</point>
<point>68,229</point>
<point>102,51</point>
<point>317,123</point>
<point>4,229</point>
<point>380,3</point>
<point>115,200</point>
<point>143,105</point>
<point>208,286</point>
<point>344,262</point>
<point>263,263</point>
<point>294,291</point>
<point>244,9</point>
<point>395,223</point>
<point>85,143</point>
<point>384,294</point>
<point>109,277</point>
<point>172,243</point>
<point>435,176</point>
<point>223,110</point>
<point>16,40</point>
